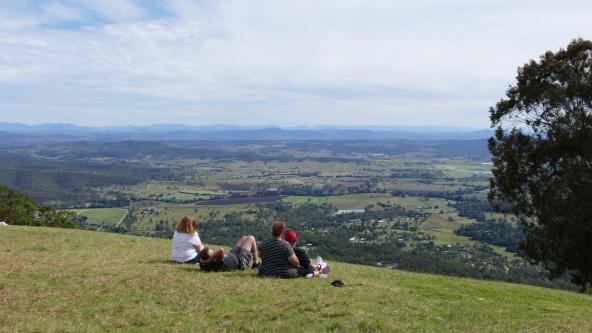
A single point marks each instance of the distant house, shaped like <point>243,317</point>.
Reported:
<point>350,211</point>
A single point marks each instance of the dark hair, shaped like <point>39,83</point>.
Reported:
<point>203,254</point>
<point>277,229</point>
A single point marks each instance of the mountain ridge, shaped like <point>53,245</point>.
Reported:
<point>66,131</point>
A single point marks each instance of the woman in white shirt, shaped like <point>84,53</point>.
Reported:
<point>186,242</point>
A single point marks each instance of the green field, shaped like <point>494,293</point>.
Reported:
<point>465,170</point>
<point>360,201</point>
<point>441,222</point>
<point>80,281</point>
<point>174,212</point>
<point>102,216</point>
<point>167,191</point>
<point>445,238</point>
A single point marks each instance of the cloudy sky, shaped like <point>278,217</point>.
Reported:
<point>260,62</point>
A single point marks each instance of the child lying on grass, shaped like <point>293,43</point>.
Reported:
<point>239,258</point>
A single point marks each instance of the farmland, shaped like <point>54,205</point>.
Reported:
<point>103,216</point>
<point>398,207</point>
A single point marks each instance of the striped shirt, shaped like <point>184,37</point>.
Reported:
<point>274,259</point>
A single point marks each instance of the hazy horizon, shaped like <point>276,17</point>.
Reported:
<point>289,64</point>
<point>255,126</point>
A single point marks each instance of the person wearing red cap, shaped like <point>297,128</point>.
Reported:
<point>277,256</point>
<point>306,267</point>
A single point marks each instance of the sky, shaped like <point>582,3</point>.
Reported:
<point>259,62</point>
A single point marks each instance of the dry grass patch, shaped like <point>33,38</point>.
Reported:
<point>78,281</point>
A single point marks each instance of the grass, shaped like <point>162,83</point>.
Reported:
<point>361,200</point>
<point>174,212</point>
<point>445,238</point>
<point>102,216</point>
<point>79,281</point>
<point>168,190</point>
<point>348,201</point>
<point>440,222</point>
<point>437,225</point>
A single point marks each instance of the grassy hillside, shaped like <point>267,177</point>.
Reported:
<point>55,280</point>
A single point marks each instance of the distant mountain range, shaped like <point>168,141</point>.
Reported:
<point>67,132</point>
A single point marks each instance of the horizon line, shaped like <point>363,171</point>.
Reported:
<point>254,126</point>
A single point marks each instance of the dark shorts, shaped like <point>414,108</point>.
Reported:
<point>304,271</point>
<point>237,258</point>
<point>192,261</point>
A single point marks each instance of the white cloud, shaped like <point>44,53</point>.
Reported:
<point>56,11</point>
<point>285,62</point>
<point>115,10</point>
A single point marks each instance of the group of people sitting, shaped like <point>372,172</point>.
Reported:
<point>274,257</point>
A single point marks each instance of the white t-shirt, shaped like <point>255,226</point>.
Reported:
<point>184,246</point>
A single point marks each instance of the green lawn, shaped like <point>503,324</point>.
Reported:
<point>102,216</point>
<point>175,212</point>
<point>440,222</point>
<point>440,227</point>
<point>445,238</point>
<point>359,201</point>
<point>79,281</point>
<point>171,191</point>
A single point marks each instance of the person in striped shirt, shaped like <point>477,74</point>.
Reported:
<point>277,256</point>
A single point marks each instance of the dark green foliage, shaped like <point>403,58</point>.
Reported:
<point>20,210</point>
<point>542,159</point>
<point>473,209</point>
<point>500,233</point>
<point>136,149</point>
<point>52,218</point>
<point>476,209</point>
<point>16,208</point>
<point>68,183</point>
<point>329,235</point>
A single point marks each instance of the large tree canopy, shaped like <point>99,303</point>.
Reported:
<point>542,159</point>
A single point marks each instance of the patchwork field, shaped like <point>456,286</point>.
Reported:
<point>416,197</point>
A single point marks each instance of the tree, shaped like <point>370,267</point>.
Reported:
<point>542,159</point>
<point>49,217</point>
<point>15,208</point>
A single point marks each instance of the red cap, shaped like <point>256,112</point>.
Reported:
<point>290,236</point>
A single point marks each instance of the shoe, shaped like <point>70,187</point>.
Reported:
<point>337,283</point>
<point>256,265</point>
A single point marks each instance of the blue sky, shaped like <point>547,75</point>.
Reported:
<point>288,63</point>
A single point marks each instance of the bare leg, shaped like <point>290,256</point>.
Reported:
<point>249,243</point>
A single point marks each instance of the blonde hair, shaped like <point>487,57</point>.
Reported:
<point>188,225</point>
